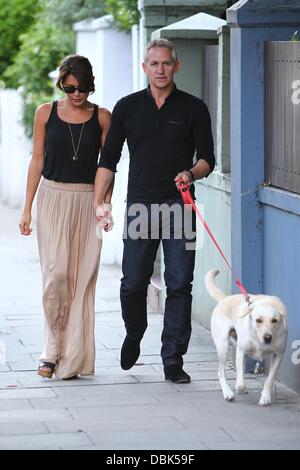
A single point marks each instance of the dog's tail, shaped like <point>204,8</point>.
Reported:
<point>213,290</point>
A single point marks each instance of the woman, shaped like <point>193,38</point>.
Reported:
<point>68,135</point>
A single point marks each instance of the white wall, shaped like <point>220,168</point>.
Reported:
<point>109,52</point>
<point>15,149</point>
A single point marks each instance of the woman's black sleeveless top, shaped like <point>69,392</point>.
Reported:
<point>59,163</point>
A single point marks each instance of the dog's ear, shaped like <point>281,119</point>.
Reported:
<point>283,318</point>
<point>282,310</point>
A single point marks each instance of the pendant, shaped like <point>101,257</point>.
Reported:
<point>75,158</point>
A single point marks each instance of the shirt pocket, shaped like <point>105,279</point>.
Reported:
<point>176,130</point>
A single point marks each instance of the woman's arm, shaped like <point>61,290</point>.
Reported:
<point>36,165</point>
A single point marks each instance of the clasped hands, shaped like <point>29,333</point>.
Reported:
<point>104,216</point>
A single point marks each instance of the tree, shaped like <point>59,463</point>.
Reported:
<point>40,53</point>
<point>68,11</point>
<point>43,46</point>
<point>124,12</point>
<point>16,16</point>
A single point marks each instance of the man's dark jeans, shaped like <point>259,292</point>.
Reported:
<point>138,263</point>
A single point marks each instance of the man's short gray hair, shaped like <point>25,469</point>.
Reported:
<point>162,42</point>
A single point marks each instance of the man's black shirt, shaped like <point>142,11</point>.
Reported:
<point>161,142</point>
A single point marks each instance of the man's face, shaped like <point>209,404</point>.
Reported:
<point>160,67</point>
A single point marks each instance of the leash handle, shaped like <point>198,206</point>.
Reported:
<point>187,199</point>
<point>184,191</point>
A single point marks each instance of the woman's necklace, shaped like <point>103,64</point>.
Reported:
<point>75,150</point>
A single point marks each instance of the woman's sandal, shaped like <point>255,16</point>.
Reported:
<point>73,377</point>
<point>46,369</point>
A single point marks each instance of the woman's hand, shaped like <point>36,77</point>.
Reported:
<point>24,224</point>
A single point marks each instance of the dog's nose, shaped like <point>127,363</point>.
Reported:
<point>267,338</point>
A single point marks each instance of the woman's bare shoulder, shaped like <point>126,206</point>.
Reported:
<point>104,112</point>
<point>43,112</point>
<point>104,116</point>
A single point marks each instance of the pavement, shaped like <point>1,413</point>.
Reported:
<point>118,409</point>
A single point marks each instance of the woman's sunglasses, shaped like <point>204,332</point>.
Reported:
<point>71,89</point>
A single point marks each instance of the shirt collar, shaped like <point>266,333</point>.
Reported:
<point>170,96</point>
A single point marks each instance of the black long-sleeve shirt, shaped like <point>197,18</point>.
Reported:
<point>161,142</point>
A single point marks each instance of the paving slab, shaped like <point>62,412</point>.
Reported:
<point>48,441</point>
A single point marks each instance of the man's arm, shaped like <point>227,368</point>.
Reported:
<point>110,156</point>
<point>104,117</point>
<point>200,170</point>
<point>203,143</point>
<point>204,147</point>
<point>103,182</point>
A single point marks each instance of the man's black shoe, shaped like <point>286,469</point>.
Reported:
<point>176,374</point>
<point>129,353</point>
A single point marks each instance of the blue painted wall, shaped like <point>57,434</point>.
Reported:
<point>247,148</point>
<point>265,225</point>
<point>281,268</point>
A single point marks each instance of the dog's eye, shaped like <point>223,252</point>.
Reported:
<point>258,320</point>
<point>274,320</point>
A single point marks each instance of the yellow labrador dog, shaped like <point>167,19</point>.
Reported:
<point>259,330</point>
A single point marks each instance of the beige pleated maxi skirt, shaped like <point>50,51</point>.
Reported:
<point>69,254</point>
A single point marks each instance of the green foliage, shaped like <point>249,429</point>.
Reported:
<point>69,11</point>
<point>43,47</point>
<point>124,12</point>
<point>16,16</point>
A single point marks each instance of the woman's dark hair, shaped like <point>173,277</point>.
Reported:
<point>80,67</point>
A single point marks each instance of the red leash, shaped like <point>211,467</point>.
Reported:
<point>187,199</point>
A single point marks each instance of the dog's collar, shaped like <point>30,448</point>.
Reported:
<point>249,302</point>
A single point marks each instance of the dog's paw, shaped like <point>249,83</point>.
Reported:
<point>265,399</point>
<point>241,389</point>
<point>228,395</point>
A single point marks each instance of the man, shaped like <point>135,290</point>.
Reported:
<point>163,127</point>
